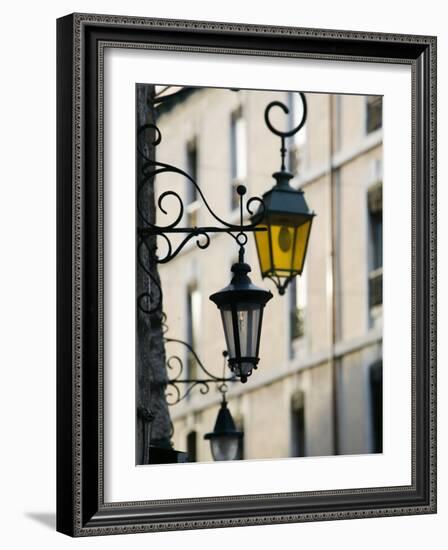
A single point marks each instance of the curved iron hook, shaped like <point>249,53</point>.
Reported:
<point>156,142</point>
<point>285,109</point>
<point>179,364</point>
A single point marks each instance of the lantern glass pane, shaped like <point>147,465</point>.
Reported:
<point>283,247</point>
<point>303,232</point>
<point>224,447</point>
<point>248,319</point>
<point>227,322</point>
<point>263,249</point>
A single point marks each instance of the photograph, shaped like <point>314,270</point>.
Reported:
<point>259,274</point>
<point>246,274</point>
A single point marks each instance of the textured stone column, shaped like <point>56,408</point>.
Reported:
<point>153,419</point>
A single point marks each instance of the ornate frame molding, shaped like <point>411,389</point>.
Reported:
<point>81,42</point>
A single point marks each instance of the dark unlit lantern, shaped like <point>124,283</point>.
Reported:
<point>225,438</point>
<point>241,304</point>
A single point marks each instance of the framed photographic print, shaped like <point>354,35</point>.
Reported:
<point>246,274</point>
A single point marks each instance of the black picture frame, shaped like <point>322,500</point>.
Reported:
<point>81,510</point>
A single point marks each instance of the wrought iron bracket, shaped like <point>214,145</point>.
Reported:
<point>148,228</point>
<point>175,363</point>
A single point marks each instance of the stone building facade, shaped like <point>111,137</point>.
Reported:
<point>318,388</point>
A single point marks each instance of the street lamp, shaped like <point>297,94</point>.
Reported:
<point>241,304</point>
<point>225,438</point>
<point>285,216</point>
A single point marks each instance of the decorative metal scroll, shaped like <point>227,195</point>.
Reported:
<point>152,168</point>
<point>179,388</point>
<point>289,133</point>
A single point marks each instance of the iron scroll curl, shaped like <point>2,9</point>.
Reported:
<point>283,134</point>
<point>285,109</point>
<point>151,168</point>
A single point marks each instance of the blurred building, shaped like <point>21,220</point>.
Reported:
<point>318,388</point>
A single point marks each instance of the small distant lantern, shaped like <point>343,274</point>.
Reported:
<point>285,217</point>
<point>241,304</point>
<point>225,438</point>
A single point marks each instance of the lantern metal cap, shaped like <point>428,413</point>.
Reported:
<point>283,202</point>
<point>225,425</point>
<point>241,289</point>
<point>282,179</point>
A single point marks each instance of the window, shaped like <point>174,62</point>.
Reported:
<point>376,405</point>
<point>193,327</point>
<point>297,308</point>
<point>374,113</point>
<point>296,145</point>
<point>238,154</point>
<point>192,446</point>
<point>298,434</point>
<point>375,206</point>
<point>192,193</point>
